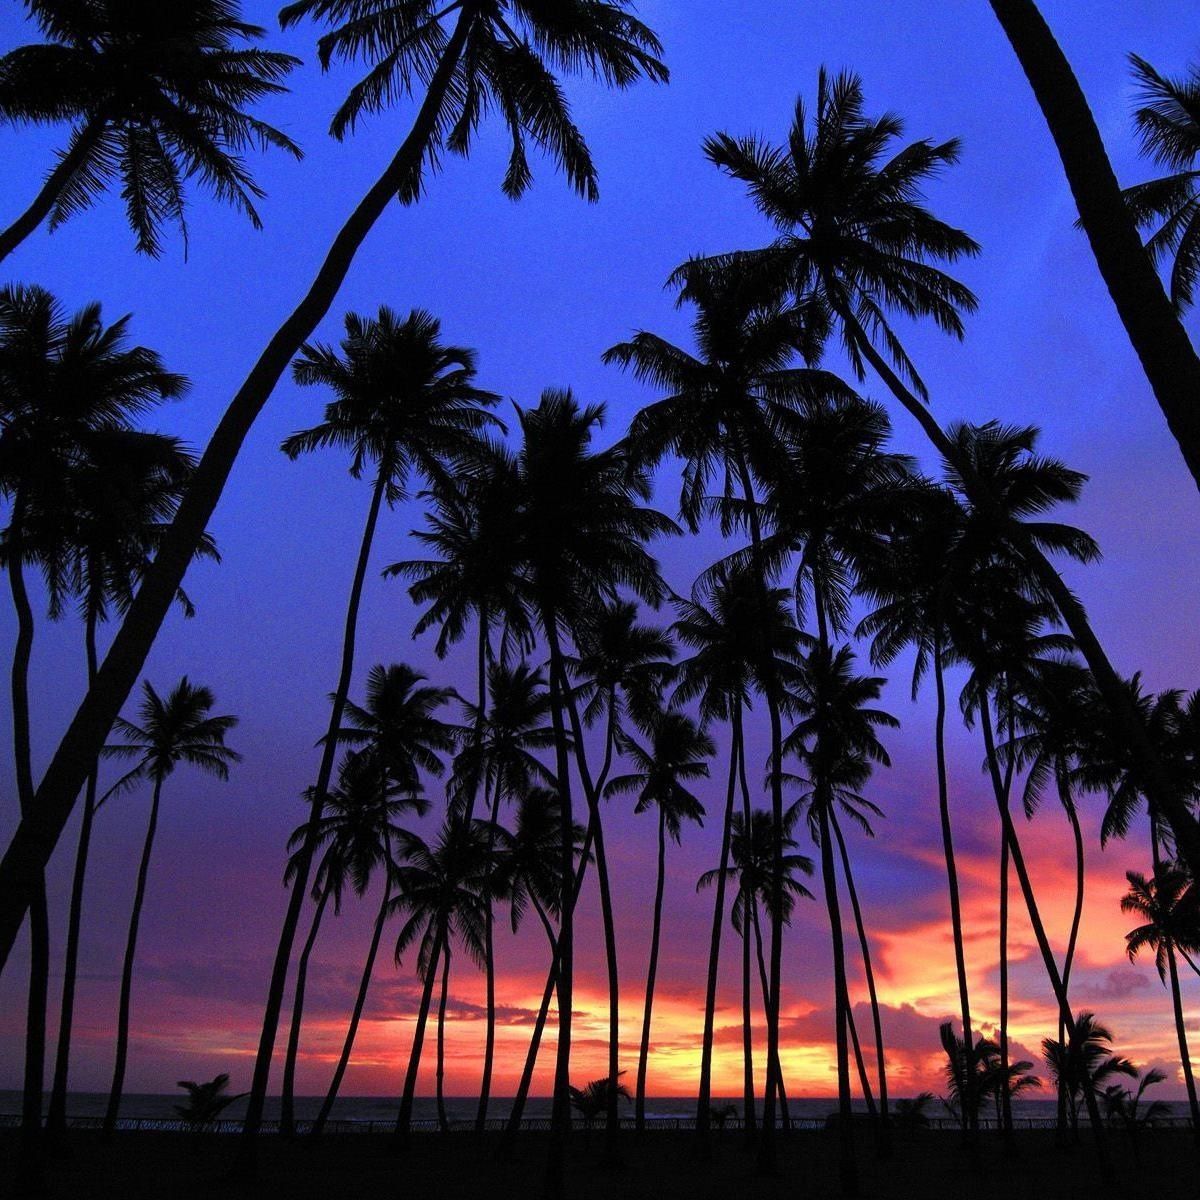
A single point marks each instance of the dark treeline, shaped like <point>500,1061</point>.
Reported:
<point>595,679</point>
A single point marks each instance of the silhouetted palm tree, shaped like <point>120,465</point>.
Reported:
<point>582,536</point>
<point>677,752</point>
<point>1162,344</point>
<point>405,405</point>
<point>1166,904</point>
<point>68,387</point>
<point>1125,1107</point>
<point>205,1101</point>
<point>1084,1064</point>
<point>157,96</point>
<point>177,729</point>
<point>464,57</point>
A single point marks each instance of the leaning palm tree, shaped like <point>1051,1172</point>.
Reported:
<point>1168,121</point>
<point>1165,903</point>
<point>1163,347</point>
<point>678,752</point>
<point>857,242</point>
<point>122,498</point>
<point>467,59</point>
<point>177,729</point>
<point>157,97</point>
<point>68,387</point>
<point>406,406</point>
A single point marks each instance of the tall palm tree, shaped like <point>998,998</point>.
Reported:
<point>177,729</point>
<point>67,384</point>
<point>1153,326</point>
<point>405,405</point>
<point>677,752</point>
<point>751,854</point>
<point>726,407</point>
<point>357,839</point>
<point>735,654</point>
<point>123,496</point>
<point>466,57</point>
<point>835,739</point>
<point>1168,122</point>
<point>440,888</point>
<point>1165,902</point>
<point>157,95</point>
<point>857,242</point>
<point>582,536</point>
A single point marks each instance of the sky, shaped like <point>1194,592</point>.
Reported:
<point>541,288</point>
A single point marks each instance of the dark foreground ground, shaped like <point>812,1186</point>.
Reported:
<point>662,1166</point>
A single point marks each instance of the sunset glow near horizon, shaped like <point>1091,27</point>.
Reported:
<point>541,288</point>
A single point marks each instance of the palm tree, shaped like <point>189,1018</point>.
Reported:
<point>440,888</point>
<point>205,1101</point>
<point>1152,324</point>
<point>1165,902</point>
<point>505,52</point>
<point>593,1098</point>
<point>751,851</point>
<point>1168,121</point>
<point>177,729</point>
<point>405,404</point>
<point>856,241</point>
<point>1084,1064</point>
<point>677,752</point>
<point>1126,1107</point>
<point>157,96</point>
<point>123,496</point>
<point>69,386</point>
<point>727,407</point>
<point>835,740</point>
<point>973,1078</point>
<point>581,537</point>
<point>358,834</point>
<point>735,654</point>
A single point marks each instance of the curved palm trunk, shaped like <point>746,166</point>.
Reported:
<point>37,835</point>
<point>1183,823</point>
<point>489,967</point>
<point>1076,917</point>
<point>971,1117</point>
<point>1039,933</point>
<point>847,1166</point>
<point>860,1063</point>
<point>29,1168</point>
<point>749,1120</point>
<point>53,188</point>
<point>443,1123</point>
<point>352,1031</point>
<point>139,896</point>
<point>247,1151</point>
<point>784,1120</point>
<point>651,973</point>
<point>704,1097</point>
<point>404,1119</point>
<point>56,1117</point>
<point>1005,1097</point>
<point>869,972</point>
<point>1155,331</point>
<point>287,1099</point>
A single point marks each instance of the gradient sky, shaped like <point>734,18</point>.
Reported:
<point>541,288</point>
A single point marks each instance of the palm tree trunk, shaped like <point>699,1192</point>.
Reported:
<point>139,896</point>
<point>748,1103</point>
<point>81,146</point>
<point>30,1155</point>
<point>443,1123</point>
<point>704,1098</point>
<point>359,1003</point>
<point>651,973</point>
<point>560,1119</point>
<point>1005,1089</point>
<point>970,1119</point>
<point>1076,917</point>
<point>869,972</point>
<point>247,1152</point>
<point>766,995</point>
<point>1039,933</point>
<point>56,1117</point>
<point>1183,823</point>
<point>612,1124</point>
<point>287,1098</point>
<point>1155,331</point>
<point>860,1064</point>
<point>847,1165</point>
<point>404,1119</point>
<point>489,967</point>
<point>36,836</point>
